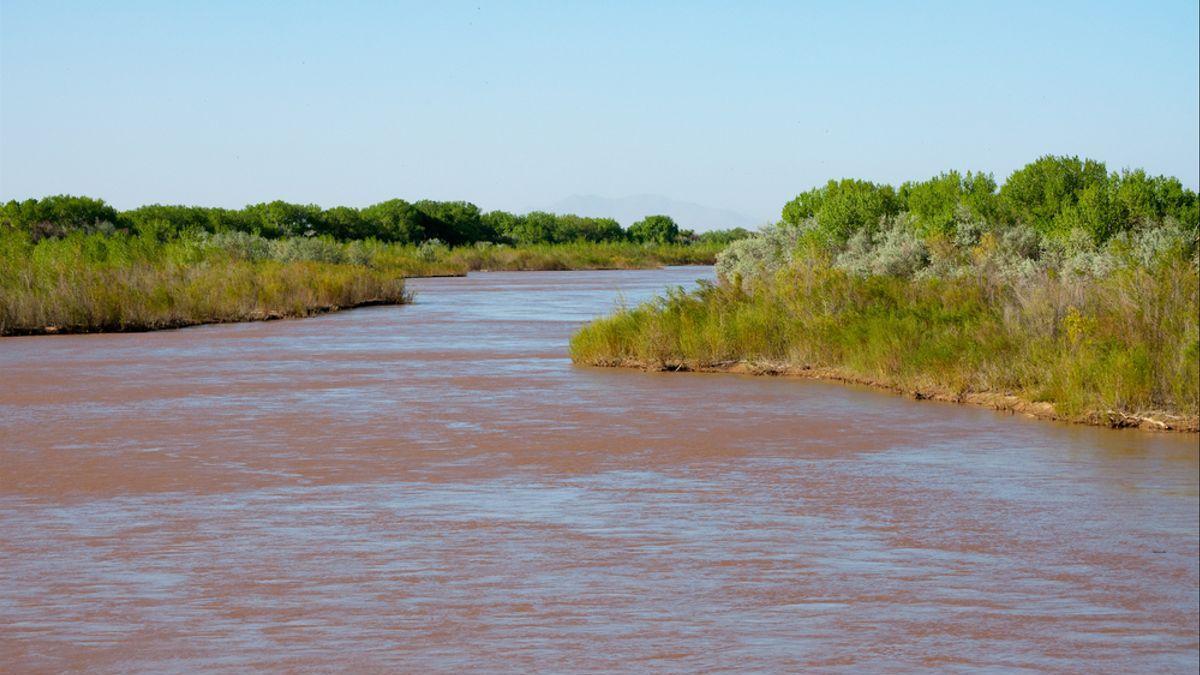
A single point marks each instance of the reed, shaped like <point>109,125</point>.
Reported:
<point>122,282</point>
<point>1114,349</point>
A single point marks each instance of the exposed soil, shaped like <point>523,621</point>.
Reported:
<point>1116,419</point>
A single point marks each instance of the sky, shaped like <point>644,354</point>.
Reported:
<point>517,105</point>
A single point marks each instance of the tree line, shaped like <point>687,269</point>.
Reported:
<point>454,223</point>
<point>1054,195</point>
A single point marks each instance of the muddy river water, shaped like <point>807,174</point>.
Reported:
<point>435,487</point>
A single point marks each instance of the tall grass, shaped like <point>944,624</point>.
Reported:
<point>1109,349</point>
<point>118,281</point>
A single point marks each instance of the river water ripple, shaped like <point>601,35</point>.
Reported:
<point>435,487</point>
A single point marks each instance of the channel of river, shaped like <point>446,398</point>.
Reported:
<point>435,487</point>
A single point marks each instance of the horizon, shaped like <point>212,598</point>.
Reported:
<point>517,107</point>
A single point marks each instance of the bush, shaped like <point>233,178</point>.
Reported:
<point>315,249</point>
<point>242,245</point>
<point>759,257</point>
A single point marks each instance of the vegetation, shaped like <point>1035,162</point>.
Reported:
<point>1069,291</point>
<point>76,264</point>
<point>392,221</point>
<point>85,282</point>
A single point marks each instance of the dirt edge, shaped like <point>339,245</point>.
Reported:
<point>1115,419</point>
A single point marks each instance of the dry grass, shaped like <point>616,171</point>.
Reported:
<point>1125,346</point>
<point>116,282</point>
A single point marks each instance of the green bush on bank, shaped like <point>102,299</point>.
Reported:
<point>1068,285</point>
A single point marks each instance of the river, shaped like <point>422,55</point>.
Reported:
<point>435,487</point>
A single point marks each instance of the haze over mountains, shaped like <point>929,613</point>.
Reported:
<point>628,210</point>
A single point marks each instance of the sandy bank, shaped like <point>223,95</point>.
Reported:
<point>1116,419</point>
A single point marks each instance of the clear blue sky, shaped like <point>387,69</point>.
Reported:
<point>517,105</point>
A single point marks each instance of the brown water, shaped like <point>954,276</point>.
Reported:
<point>436,487</point>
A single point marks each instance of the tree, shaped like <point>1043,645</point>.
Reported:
<point>282,219</point>
<point>535,227</point>
<point>454,223</point>
<point>395,220</point>
<point>578,228</point>
<point>58,215</point>
<point>1140,199</point>
<point>723,237</point>
<point>1045,195</point>
<point>344,222</point>
<point>843,207</point>
<point>173,218</point>
<point>935,203</point>
<point>657,229</point>
<point>498,225</point>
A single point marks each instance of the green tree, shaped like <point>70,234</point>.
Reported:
<point>1140,200</point>
<point>1045,195</point>
<point>395,220</point>
<point>282,219</point>
<point>229,220</point>
<point>936,203</point>
<point>535,227</point>
<point>579,228</point>
<point>174,218</point>
<point>723,236</point>
<point>499,225</point>
<point>657,229</point>
<point>843,207</point>
<point>454,223</point>
<point>58,215</point>
<point>344,222</point>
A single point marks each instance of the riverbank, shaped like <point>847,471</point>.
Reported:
<point>1118,351</point>
<point>446,449</point>
<point>145,297</point>
<point>85,283</point>
<point>993,400</point>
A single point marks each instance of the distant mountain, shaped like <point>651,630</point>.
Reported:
<point>628,210</point>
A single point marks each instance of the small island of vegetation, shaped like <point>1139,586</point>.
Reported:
<point>1069,292</point>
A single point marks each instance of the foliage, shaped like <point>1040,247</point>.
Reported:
<point>936,205</point>
<point>657,229</point>
<point>1068,285</point>
<point>1058,214</point>
<point>724,237</point>
<point>1059,195</point>
<point>1098,349</point>
<point>455,223</point>
<point>394,220</point>
<point>843,207</point>
<point>761,256</point>
<point>58,215</point>
<point>141,280</point>
<point>83,282</point>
